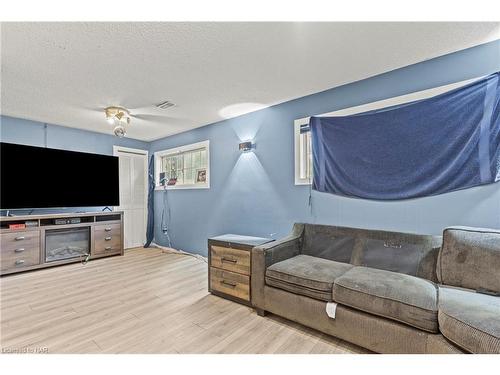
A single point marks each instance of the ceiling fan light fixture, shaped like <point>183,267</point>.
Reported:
<point>120,131</point>
<point>119,117</point>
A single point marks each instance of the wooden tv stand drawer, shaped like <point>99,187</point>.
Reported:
<point>19,249</point>
<point>107,239</point>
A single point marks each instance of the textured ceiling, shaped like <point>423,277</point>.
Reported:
<point>66,73</point>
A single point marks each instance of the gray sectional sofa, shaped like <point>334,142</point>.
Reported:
<point>391,292</point>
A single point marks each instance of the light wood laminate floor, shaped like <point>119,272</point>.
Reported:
<point>144,302</point>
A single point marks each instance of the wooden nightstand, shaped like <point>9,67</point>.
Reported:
<point>230,266</point>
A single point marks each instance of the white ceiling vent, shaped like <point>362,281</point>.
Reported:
<point>164,105</point>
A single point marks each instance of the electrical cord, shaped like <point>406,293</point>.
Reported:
<point>84,260</point>
<point>165,222</point>
<point>166,217</point>
<point>166,250</point>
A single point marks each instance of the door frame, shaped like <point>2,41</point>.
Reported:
<point>137,151</point>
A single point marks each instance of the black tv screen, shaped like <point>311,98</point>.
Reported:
<point>37,177</point>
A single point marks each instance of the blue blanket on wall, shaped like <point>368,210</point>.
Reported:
<point>427,147</point>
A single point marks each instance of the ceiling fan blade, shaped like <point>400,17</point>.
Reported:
<point>94,109</point>
<point>158,118</point>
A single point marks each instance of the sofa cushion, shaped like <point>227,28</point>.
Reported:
<point>469,319</point>
<point>407,299</point>
<point>329,242</point>
<point>306,275</point>
<point>470,258</point>
<point>396,255</point>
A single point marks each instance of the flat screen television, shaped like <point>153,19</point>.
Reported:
<point>37,177</point>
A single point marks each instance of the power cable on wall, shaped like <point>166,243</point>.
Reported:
<point>166,217</point>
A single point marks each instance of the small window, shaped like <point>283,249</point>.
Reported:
<point>185,167</point>
<point>303,153</point>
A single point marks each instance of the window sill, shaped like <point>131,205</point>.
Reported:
<point>303,182</point>
<point>181,187</point>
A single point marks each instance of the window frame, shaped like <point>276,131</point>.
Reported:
<point>178,150</point>
<point>298,180</point>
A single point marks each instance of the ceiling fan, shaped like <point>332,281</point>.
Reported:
<point>120,117</point>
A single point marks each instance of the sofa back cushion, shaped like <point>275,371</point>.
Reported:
<point>470,258</point>
<point>391,255</point>
<point>329,242</point>
<point>407,253</point>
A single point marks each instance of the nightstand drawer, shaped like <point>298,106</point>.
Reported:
<point>230,283</point>
<point>230,259</point>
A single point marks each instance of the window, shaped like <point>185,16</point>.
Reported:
<point>303,153</point>
<point>185,167</point>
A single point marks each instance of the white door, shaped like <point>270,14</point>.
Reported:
<point>133,194</point>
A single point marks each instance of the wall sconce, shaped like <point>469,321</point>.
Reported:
<point>246,146</point>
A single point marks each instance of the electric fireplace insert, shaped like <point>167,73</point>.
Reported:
<point>66,243</point>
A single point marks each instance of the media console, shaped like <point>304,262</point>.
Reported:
<point>30,242</point>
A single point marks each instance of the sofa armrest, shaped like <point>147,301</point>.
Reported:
<point>266,255</point>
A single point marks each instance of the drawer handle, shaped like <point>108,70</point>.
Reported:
<point>19,238</point>
<point>107,229</point>
<point>20,250</point>
<point>107,239</point>
<point>108,248</point>
<point>19,262</point>
<point>229,260</point>
<point>232,285</point>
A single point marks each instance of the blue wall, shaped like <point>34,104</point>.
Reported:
<point>33,133</point>
<point>254,193</point>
